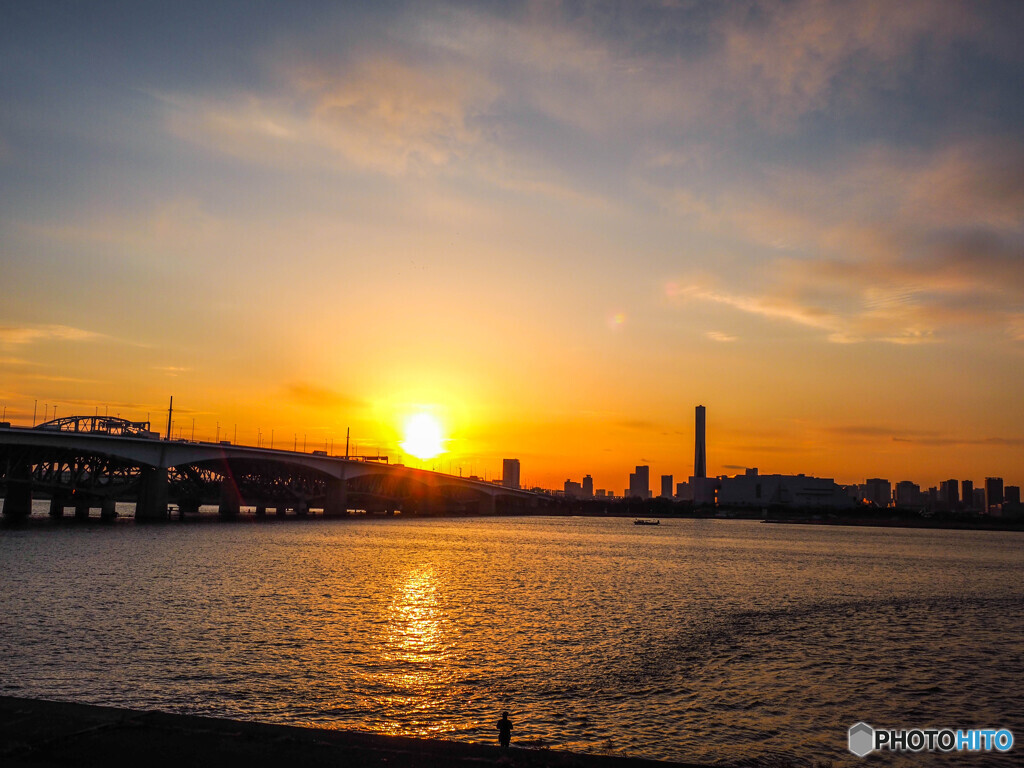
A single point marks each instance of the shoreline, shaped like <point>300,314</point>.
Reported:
<point>37,732</point>
<point>1010,524</point>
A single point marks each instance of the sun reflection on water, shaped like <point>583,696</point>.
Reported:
<point>415,672</point>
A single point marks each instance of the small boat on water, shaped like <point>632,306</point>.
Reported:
<point>647,522</point>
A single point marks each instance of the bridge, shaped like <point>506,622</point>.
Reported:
<point>85,462</point>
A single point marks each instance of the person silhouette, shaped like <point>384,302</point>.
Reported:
<point>504,730</point>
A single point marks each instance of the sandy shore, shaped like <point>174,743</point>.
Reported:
<point>48,733</point>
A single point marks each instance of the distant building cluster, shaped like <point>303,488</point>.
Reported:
<point>752,489</point>
<point>949,496</point>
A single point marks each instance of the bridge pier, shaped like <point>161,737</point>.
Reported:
<point>57,503</point>
<point>187,507</point>
<point>230,498</point>
<point>82,509</point>
<point>18,499</point>
<point>301,508</point>
<point>336,499</point>
<point>107,510</point>
<point>152,501</point>
<point>280,509</point>
<point>488,505</point>
<point>261,509</point>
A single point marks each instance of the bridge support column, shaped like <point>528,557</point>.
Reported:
<point>82,509</point>
<point>336,501</point>
<point>280,509</point>
<point>18,499</point>
<point>261,509</point>
<point>488,505</point>
<point>107,510</point>
<point>230,499</point>
<point>187,507</point>
<point>301,508</point>
<point>57,503</point>
<point>152,501</point>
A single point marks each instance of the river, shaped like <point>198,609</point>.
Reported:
<point>702,640</point>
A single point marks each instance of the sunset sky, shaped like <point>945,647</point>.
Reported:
<point>556,227</point>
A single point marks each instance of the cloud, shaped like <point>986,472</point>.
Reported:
<point>932,438</point>
<point>761,305</point>
<point>387,113</point>
<point>719,336</point>
<point>1015,326</point>
<point>30,334</point>
<point>61,379</point>
<point>946,442</point>
<point>904,248</point>
<point>171,370</point>
<point>374,110</point>
<point>789,59</point>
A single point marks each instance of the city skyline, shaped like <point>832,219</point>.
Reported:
<point>550,230</point>
<point>509,471</point>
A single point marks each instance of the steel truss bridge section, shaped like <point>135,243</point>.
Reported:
<point>88,461</point>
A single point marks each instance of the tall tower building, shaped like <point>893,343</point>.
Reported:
<point>700,456</point>
<point>993,492</point>
<point>510,473</point>
<point>588,487</point>
<point>666,486</point>
<point>952,493</point>
<point>640,483</point>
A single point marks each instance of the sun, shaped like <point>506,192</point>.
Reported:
<point>423,436</point>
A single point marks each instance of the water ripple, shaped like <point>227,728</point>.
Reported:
<point>726,642</point>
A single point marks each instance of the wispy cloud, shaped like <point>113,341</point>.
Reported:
<point>882,247</point>
<point>56,378</point>
<point>30,334</point>
<point>945,442</point>
<point>788,59</point>
<point>374,110</point>
<point>873,433</point>
<point>171,370</point>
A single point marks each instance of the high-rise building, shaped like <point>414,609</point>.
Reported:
<point>640,483</point>
<point>588,487</point>
<point>993,492</point>
<point>878,491</point>
<point>510,473</point>
<point>967,493</point>
<point>908,494</point>
<point>979,499</point>
<point>1011,494</point>
<point>666,486</point>
<point>700,455</point>
<point>951,491</point>
<point>573,490</point>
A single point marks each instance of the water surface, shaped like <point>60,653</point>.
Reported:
<point>694,640</point>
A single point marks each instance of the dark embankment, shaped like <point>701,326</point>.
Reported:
<point>47,733</point>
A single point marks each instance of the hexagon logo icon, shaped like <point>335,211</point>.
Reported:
<point>862,739</point>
